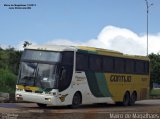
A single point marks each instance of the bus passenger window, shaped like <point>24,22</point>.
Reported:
<point>67,58</point>
<point>129,67</point>
<point>139,67</point>
<point>108,64</point>
<point>95,63</point>
<point>119,65</point>
<point>81,62</point>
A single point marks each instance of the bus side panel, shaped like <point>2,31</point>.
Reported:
<point>97,84</point>
<point>118,86</point>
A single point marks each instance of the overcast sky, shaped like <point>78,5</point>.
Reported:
<point>111,24</point>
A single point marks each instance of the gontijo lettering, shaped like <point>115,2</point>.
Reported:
<point>120,78</point>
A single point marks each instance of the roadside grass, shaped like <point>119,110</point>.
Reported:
<point>155,92</point>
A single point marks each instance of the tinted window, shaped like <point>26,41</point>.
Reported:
<point>66,77</point>
<point>81,62</point>
<point>119,65</point>
<point>108,64</point>
<point>99,63</point>
<point>139,67</point>
<point>146,67</point>
<point>129,66</point>
<point>66,70</point>
<point>95,62</point>
<point>142,67</point>
<point>67,58</point>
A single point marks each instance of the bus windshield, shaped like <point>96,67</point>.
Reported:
<point>39,68</point>
<point>38,74</point>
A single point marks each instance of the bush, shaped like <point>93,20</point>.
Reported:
<point>7,81</point>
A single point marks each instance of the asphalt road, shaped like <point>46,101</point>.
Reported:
<point>147,109</point>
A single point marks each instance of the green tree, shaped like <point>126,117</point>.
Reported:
<point>155,67</point>
<point>7,81</point>
<point>13,59</point>
<point>9,64</point>
<point>3,59</point>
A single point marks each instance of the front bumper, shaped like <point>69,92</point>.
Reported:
<point>37,98</point>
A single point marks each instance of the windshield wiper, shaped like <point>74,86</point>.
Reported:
<point>28,77</point>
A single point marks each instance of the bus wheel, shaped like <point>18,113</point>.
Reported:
<point>41,105</point>
<point>133,98</point>
<point>125,101</point>
<point>77,100</point>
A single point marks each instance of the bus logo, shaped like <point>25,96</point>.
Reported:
<point>120,78</point>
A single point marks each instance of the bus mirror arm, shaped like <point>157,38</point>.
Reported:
<point>63,73</point>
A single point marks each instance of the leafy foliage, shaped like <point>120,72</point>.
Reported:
<point>7,81</point>
<point>9,63</point>
<point>155,67</point>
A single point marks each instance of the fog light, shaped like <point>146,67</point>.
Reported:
<point>48,99</point>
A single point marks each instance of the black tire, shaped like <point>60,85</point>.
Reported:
<point>133,99</point>
<point>77,100</point>
<point>41,105</point>
<point>126,100</point>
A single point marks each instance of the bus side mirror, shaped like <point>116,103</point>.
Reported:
<point>63,73</point>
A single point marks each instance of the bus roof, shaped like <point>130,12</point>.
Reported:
<point>94,50</point>
<point>113,53</point>
<point>51,47</point>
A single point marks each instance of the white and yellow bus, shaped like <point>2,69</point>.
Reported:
<point>74,75</point>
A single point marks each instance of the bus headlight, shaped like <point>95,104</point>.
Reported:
<point>18,95</point>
